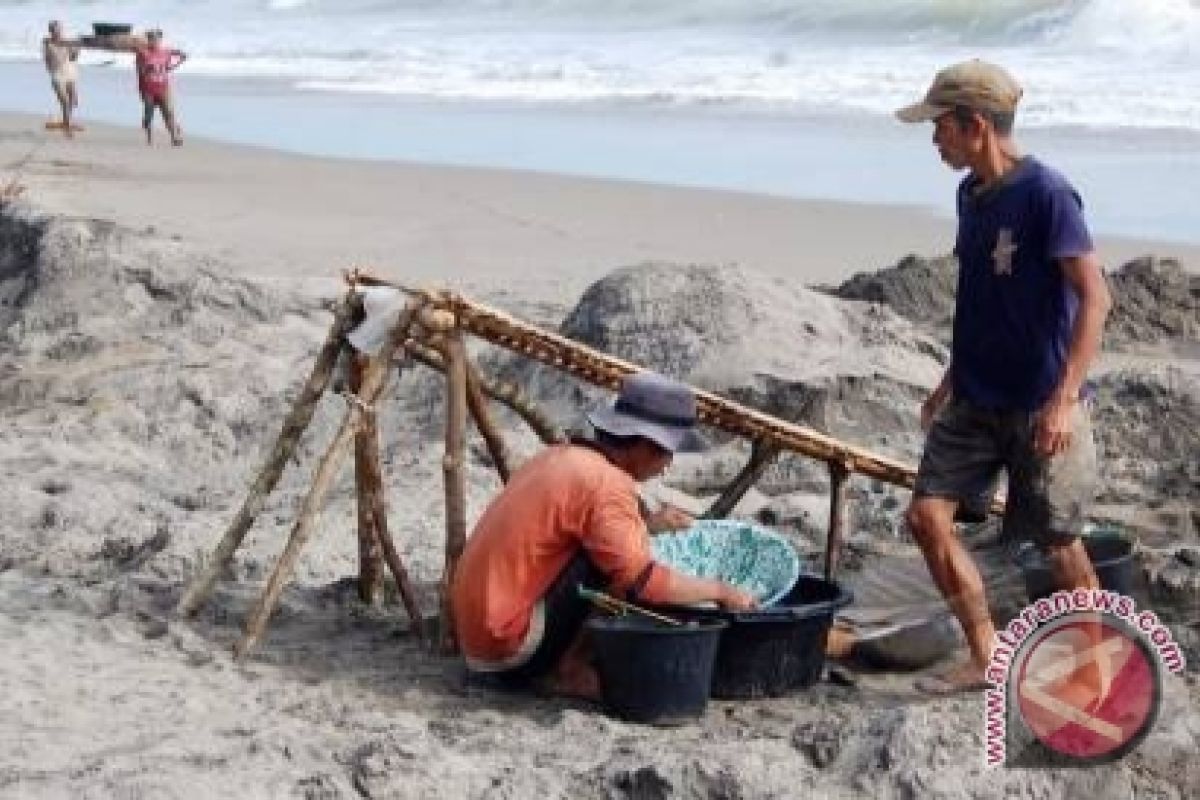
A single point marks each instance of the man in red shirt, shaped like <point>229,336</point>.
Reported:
<point>571,516</point>
<point>154,62</point>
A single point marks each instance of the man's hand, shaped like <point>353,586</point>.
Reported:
<point>1052,428</point>
<point>734,599</point>
<point>933,404</point>
<point>669,518</point>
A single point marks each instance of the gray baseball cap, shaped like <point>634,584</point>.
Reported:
<point>655,407</point>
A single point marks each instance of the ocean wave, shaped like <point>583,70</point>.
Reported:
<point>1110,62</point>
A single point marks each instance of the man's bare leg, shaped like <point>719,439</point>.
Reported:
<point>148,118</point>
<point>65,103</point>
<point>1072,569</point>
<point>931,520</point>
<point>168,112</point>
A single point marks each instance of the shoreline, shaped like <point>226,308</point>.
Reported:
<point>1134,183</point>
<point>536,237</point>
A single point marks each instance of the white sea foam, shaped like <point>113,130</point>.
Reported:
<point>1132,63</point>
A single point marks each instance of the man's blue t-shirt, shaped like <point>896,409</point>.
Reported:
<point>1015,310</point>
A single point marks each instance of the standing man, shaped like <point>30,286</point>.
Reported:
<point>570,516</point>
<point>154,63</point>
<point>1030,310</point>
<point>60,56</point>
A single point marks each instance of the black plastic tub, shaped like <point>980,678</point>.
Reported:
<point>1112,558</point>
<point>773,651</point>
<point>653,672</point>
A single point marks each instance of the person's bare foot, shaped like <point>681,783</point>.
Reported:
<point>966,676</point>
<point>580,682</point>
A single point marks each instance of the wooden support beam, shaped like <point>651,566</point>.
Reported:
<point>477,404</point>
<point>369,488</point>
<point>374,381</point>
<point>762,453</point>
<point>294,426</point>
<point>839,476</point>
<point>453,469</point>
<point>501,391</point>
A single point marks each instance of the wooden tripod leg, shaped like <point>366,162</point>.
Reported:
<point>762,453</point>
<point>502,391</point>
<point>294,426</point>
<point>368,481</point>
<point>309,511</point>
<point>453,464</point>
<point>374,382</point>
<point>839,475</point>
<point>374,499</point>
<point>478,406</point>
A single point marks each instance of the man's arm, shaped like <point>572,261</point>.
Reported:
<point>617,542</point>
<point>937,398</point>
<point>1087,280</point>
<point>177,58</point>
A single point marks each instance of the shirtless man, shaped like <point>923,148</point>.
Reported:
<point>60,55</point>
<point>154,63</point>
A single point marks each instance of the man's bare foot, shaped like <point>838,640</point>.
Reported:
<point>966,676</point>
<point>580,682</point>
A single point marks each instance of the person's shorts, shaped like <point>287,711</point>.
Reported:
<point>557,619</point>
<point>1048,498</point>
<point>155,96</point>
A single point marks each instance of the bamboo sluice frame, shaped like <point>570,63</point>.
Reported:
<point>430,331</point>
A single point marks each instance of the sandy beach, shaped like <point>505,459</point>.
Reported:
<point>162,305</point>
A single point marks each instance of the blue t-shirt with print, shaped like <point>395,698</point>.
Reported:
<point>1015,309</point>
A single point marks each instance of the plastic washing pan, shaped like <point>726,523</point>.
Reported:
<point>753,558</point>
<point>773,651</point>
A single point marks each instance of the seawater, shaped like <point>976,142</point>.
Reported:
<point>781,97</point>
<point>1096,63</point>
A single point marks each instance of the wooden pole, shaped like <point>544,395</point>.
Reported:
<point>839,475</point>
<point>501,391</point>
<point>453,464</point>
<point>369,467</point>
<point>477,404</point>
<point>294,426</point>
<point>301,531</point>
<point>373,383</point>
<point>762,453</point>
<point>403,584</point>
<point>368,483</point>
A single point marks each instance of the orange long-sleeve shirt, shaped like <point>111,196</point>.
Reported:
<point>567,497</point>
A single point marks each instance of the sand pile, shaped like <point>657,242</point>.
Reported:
<point>142,380</point>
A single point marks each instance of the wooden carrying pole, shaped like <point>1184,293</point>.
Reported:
<point>373,383</point>
<point>294,426</point>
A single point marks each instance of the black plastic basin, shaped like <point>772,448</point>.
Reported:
<point>652,672</point>
<point>773,651</point>
<point>1111,555</point>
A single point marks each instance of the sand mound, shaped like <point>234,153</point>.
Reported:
<point>141,382</point>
